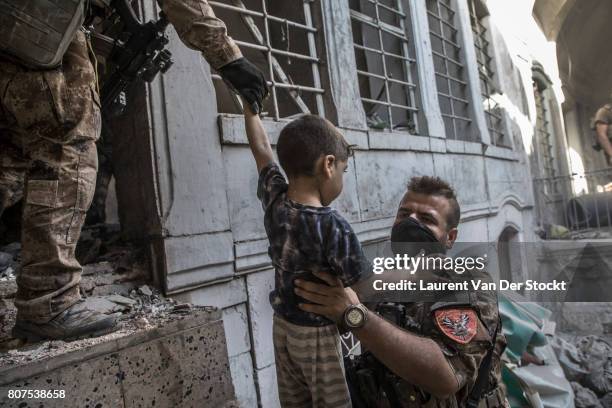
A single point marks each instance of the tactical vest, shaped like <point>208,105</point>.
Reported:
<point>37,33</point>
<point>372,385</point>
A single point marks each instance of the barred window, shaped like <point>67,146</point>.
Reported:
<point>544,138</point>
<point>450,70</point>
<point>385,64</point>
<point>493,112</point>
<point>281,38</point>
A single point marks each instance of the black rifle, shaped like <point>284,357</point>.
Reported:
<point>138,53</point>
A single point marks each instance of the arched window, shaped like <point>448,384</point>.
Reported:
<point>509,256</point>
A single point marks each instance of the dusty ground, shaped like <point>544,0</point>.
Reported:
<point>137,312</point>
<point>114,281</point>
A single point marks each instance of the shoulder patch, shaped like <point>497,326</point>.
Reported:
<point>460,325</point>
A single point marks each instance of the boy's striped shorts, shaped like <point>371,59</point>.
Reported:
<point>309,366</point>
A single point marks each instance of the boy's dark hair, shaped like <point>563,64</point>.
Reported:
<point>437,187</point>
<point>304,140</point>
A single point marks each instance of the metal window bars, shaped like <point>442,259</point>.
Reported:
<point>293,89</point>
<point>493,114</point>
<point>582,202</point>
<point>449,69</point>
<point>384,64</point>
<point>544,143</point>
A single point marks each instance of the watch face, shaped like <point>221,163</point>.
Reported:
<point>354,317</point>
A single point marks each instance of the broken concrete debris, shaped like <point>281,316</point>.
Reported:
<point>97,268</point>
<point>135,312</point>
<point>114,281</point>
<point>122,300</point>
<point>584,398</point>
<point>145,290</point>
<point>9,265</point>
<point>9,261</point>
<point>183,308</point>
<point>122,289</point>
<point>13,248</point>
<point>606,401</point>
<point>7,274</point>
<point>143,323</point>
<point>5,260</point>
<point>587,363</point>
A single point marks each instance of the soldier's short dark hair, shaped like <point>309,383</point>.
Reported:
<point>437,187</point>
<point>303,141</point>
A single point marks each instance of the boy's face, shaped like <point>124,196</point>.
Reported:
<point>331,178</point>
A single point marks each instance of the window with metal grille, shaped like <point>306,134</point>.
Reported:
<point>544,140</point>
<point>385,64</point>
<point>281,38</point>
<point>493,112</point>
<point>450,70</point>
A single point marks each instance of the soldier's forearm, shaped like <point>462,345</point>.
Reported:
<point>417,360</point>
<point>199,29</point>
<point>602,138</point>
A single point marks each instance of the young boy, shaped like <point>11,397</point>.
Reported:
<point>306,235</point>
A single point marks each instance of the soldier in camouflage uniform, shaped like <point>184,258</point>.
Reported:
<point>49,124</point>
<point>603,128</point>
<point>440,353</point>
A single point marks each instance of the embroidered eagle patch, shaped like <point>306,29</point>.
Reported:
<point>461,325</point>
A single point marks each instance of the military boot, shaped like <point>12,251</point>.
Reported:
<point>73,323</point>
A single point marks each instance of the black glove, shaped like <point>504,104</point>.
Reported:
<point>247,80</point>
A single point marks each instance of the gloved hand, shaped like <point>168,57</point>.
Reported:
<point>247,80</point>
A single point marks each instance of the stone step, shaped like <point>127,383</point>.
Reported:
<point>180,362</point>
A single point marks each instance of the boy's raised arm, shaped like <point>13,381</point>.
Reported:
<point>258,139</point>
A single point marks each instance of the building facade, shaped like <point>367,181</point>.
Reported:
<point>581,33</point>
<point>420,87</point>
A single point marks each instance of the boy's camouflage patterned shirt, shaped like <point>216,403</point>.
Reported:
<point>304,239</point>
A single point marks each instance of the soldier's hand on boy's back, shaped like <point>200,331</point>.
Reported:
<point>329,300</point>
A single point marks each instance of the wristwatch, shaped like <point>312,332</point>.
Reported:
<point>355,316</point>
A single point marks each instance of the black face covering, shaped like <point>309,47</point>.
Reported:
<point>410,237</point>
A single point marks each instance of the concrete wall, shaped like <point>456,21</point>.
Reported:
<point>211,247</point>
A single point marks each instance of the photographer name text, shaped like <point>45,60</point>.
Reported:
<point>475,284</point>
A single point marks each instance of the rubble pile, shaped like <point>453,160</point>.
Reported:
<point>9,261</point>
<point>114,281</point>
<point>143,309</point>
<point>560,232</point>
<point>587,364</point>
<point>9,266</point>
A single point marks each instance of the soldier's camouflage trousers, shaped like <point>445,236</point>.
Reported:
<point>49,123</point>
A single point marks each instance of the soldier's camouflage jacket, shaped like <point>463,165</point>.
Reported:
<point>464,328</point>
